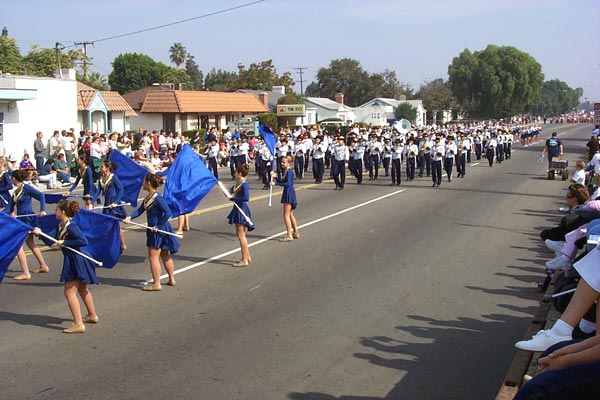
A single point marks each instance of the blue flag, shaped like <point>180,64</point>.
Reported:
<point>269,138</point>
<point>131,175</point>
<point>13,233</point>
<point>101,230</point>
<point>54,198</point>
<point>188,181</point>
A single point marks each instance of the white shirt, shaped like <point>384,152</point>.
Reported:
<point>579,176</point>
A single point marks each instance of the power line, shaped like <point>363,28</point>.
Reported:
<point>300,70</point>
<point>177,22</point>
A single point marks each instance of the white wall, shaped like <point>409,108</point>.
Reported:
<point>55,108</point>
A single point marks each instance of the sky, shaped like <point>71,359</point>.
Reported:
<point>416,39</point>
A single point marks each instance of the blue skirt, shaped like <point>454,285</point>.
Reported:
<point>77,267</point>
<point>236,217</point>
<point>162,241</point>
<point>289,196</point>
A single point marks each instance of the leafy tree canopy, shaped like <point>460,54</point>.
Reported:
<point>261,76</point>
<point>436,95</point>
<point>218,80</point>
<point>177,54</point>
<point>178,76</point>
<point>496,82</point>
<point>193,71</point>
<point>556,97</point>
<point>406,111</point>
<point>133,71</point>
<point>10,56</point>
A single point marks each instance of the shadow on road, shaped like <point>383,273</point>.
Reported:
<point>44,321</point>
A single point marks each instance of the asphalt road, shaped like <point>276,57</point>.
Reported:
<point>404,292</point>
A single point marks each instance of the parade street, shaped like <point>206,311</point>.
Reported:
<point>403,292</point>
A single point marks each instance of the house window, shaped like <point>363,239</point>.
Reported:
<point>376,116</point>
<point>2,123</point>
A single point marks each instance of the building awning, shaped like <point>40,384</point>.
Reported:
<point>18,94</point>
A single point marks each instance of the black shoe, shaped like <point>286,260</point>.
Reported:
<point>393,184</point>
<point>433,185</point>
<point>579,334</point>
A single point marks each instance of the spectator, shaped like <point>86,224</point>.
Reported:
<point>31,172</point>
<point>2,147</point>
<point>62,170</point>
<point>39,151</point>
<point>49,176</point>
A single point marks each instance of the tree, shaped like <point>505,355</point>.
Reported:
<point>178,54</point>
<point>436,95</point>
<point>496,82</point>
<point>218,80</point>
<point>261,76</point>
<point>178,76</point>
<point>10,57</point>
<point>268,119</point>
<point>95,80</point>
<point>406,111</point>
<point>386,84</point>
<point>193,71</point>
<point>133,71</point>
<point>344,76</point>
<point>556,97</point>
<point>43,62</point>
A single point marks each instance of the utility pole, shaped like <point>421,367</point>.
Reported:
<point>300,71</point>
<point>58,48</point>
<point>85,59</point>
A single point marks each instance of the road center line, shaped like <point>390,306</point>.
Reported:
<point>316,221</point>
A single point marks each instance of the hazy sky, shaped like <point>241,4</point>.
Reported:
<point>417,39</point>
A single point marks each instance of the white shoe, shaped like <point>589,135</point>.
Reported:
<point>541,341</point>
<point>560,261</point>
<point>554,245</point>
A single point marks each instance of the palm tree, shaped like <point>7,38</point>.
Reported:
<point>178,54</point>
<point>97,81</point>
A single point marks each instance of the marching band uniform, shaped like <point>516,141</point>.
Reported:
<point>451,151</point>
<point>158,214</point>
<point>425,146</point>
<point>490,150</point>
<point>374,150</point>
<point>265,165</point>
<point>387,155</point>
<point>75,266</point>
<point>397,151</point>
<point>436,165</point>
<point>411,159</point>
<point>467,146</point>
<point>478,141</point>
<point>308,148</point>
<point>500,148</point>
<point>318,160</point>
<point>212,151</point>
<point>289,193</point>
<point>282,151</point>
<point>461,158</point>
<point>357,152</point>
<point>88,182</point>
<point>508,145</point>
<point>21,200</point>
<point>299,159</point>
<point>243,150</point>
<point>113,191</point>
<point>5,187</point>
<point>338,167</point>
<point>241,196</point>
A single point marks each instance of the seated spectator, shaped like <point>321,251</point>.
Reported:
<point>576,195</point>
<point>12,163</point>
<point>62,169</point>
<point>48,175</point>
<point>156,161</point>
<point>143,161</point>
<point>27,165</point>
<point>579,175</point>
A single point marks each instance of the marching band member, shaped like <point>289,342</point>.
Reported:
<point>111,186</point>
<point>77,271</point>
<point>338,167</point>
<point>241,195</point>
<point>21,200</point>
<point>478,142</point>
<point>318,166</point>
<point>451,151</point>
<point>160,245</point>
<point>387,153</point>
<point>437,156</point>
<point>5,184</point>
<point>490,149</point>
<point>282,151</point>
<point>86,174</point>
<point>397,151</point>
<point>461,156</point>
<point>500,147</point>
<point>357,152</point>
<point>211,152</point>
<point>374,149</point>
<point>300,152</point>
<point>411,151</point>
<point>425,146</point>
<point>288,199</point>
<point>265,164</point>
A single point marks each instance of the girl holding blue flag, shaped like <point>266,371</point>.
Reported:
<point>288,198</point>
<point>77,271</point>
<point>87,175</point>
<point>21,203</point>
<point>111,186</point>
<point>160,245</point>
<point>240,194</point>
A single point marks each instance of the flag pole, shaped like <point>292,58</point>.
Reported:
<point>118,205</point>
<point>229,196</point>
<point>158,230</point>
<point>270,190</point>
<point>70,248</point>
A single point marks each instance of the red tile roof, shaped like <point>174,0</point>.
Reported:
<point>190,101</point>
<point>114,101</point>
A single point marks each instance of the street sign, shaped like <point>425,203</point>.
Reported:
<point>292,110</point>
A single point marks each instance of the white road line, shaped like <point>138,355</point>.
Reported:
<point>254,288</point>
<point>472,165</point>
<point>261,241</point>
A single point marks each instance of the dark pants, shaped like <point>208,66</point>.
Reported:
<point>338,169</point>
<point>357,170</point>
<point>578,381</point>
<point>411,166</point>
<point>449,167</point>
<point>306,160</point>
<point>386,165</point>
<point>327,159</point>
<point>318,169</point>
<point>397,171</point>
<point>39,163</point>
<point>500,153</point>
<point>436,172</point>
<point>461,164</point>
<point>374,166</point>
<point>469,155</point>
<point>299,166</point>
<point>425,164</point>
<point>478,150</point>
<point>490,155</point>
<point>508,150</point>
<point>212,166</point>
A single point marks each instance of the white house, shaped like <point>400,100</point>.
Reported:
<point>327,108</point>
<point>30,104</point>
<point>388,106</point>
<point>102,110</point>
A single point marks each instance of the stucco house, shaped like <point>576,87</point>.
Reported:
<point>30,104</point>
<point>102,110</point>
<point>327,108</point>
<point>180,110</point>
